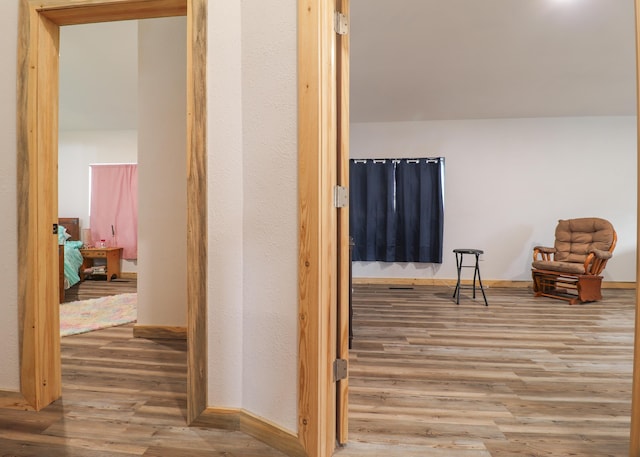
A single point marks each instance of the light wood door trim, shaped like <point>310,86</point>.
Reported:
<point>37,186</point>
<point>634,446</point>
<point>344,282</point>
<point>317,267</point>
<point>342,71</point>
<point>196,208</point>
<point>90,11</point>
<point>40,375</point>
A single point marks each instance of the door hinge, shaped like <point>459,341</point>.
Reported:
<point>340,197</point>
<point>340,368</point>
<point>340,23</point>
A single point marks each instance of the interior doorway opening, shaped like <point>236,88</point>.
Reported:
<point>37,149</point>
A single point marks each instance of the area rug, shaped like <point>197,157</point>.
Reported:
<point>88,315</point>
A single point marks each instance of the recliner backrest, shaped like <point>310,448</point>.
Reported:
<point>575,238</point>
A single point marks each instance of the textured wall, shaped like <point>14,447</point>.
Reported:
<point>269,64</point>
<point>225,201</point>
<point>253,208</point>
<point>162,171</point>
<point>508,181</point>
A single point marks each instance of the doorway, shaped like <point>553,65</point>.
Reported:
<point>37,103</point>
<point>37,178</point>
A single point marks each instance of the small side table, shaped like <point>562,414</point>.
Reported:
<point>476,272</point>
<point>111,255</point>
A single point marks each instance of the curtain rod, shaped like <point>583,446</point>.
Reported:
<point>414,160</point>
<point>109,163</point>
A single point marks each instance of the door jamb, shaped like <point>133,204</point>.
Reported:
<point>317,219</point>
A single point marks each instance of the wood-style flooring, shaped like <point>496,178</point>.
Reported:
<point>522,377</point>
<point>121,397</point>
<point>95,288</point>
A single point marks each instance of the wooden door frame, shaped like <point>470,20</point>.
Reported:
<point>634,445</point>
<point>344,258</point>
<point>37,126</point>
<point>39,21</point>
<point>317,255</point>
<point>316,132</point>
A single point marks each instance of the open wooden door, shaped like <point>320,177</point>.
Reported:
<point>344,260</point>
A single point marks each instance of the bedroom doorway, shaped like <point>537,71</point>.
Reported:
<point>123,102</point>
<point>37,149</point>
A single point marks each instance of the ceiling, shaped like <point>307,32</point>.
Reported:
<point>414,60</point>
<point>99,76</point>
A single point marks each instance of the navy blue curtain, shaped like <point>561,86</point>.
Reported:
<point>371,183</point>
<point>397,210</point>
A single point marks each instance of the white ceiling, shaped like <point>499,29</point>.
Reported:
<point>416,60</point>
<point>99,76</point>
<point>461,59</point>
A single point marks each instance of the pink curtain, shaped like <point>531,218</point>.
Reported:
<point>114,207</point>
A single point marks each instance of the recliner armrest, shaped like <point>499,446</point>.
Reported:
<point>604,255</point>
<point>544,251</point>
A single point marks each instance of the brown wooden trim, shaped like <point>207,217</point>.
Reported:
<point>237,419</point>
<point>88,11</point>
<point>129,275</point>
<point>486,282</point>
<point>317,267</point>
<point>38,299</point>
<point>344,283</point>
<point>634,444</point>
<point>159,332</point>
<point>197,207</point>
<point>26,88</point>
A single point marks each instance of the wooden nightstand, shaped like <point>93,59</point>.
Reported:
<point>111,255</point>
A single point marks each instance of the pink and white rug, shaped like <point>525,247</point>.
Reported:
<point>88,315</point>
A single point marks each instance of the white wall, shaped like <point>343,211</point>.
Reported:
<point>269,64</point>
<point>162,172</point>
<point>225,198</point>
<point>508,181</point>
<point>77,150</point>
<point>9,359</point>
<point>252,168</point>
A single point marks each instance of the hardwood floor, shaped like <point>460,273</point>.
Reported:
<point>122,397</point>
<point>522,377</point>
<point>91,288</point>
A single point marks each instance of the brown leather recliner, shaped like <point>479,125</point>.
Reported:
<point>575,263</point>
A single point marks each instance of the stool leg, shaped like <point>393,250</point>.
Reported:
<point>480,282</point>
<point>456,292</point>
<point>476,271</point>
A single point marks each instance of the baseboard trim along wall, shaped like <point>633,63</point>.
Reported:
<point>237,419</point>
<point>485,282</point>
<point>159,332</point>
<point>129,275</point>
<point>14,400</point>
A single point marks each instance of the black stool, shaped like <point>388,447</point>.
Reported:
<point>476,272</point>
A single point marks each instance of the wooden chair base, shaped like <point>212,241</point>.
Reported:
<point>574,288</point>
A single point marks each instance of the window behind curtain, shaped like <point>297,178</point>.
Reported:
<point>114,206</point>
<point>397,210</point>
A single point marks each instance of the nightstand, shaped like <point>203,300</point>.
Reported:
<point>111,255</point>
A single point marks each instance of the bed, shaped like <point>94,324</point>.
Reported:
<point>71,259</point>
